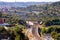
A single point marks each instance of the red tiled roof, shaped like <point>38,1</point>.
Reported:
<point>1,20</point>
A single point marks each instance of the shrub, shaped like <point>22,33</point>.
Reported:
<point>49,30</point>
<point>53,34</point>
<point>43,30</point>
<point>47,23</point>
<point>52,22</point>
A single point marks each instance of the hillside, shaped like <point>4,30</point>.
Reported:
<point>47,11</point>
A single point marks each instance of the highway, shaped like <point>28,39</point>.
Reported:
<point>33,30</point>
<point>33,34</point>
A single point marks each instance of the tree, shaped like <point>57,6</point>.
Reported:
<point>0,14</point>
<point>22,22</point>
<point>53,34</point>
<point>18,33</point>
<point>43,30</point>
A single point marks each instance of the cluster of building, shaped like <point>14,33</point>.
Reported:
<point>2,22</point>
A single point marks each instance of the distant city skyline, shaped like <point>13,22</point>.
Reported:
<point>29,0</point>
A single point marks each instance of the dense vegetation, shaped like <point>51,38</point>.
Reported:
<point>14,33</point>
<point>52,22</point>
<point>45,11</point>
<point>53,30</point>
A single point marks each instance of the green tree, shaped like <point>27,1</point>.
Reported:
<point>0,14</point>
<point>43,30</point>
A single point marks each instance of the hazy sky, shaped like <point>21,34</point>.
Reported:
<point>29,0</point>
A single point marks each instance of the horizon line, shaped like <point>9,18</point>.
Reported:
<point>32,1</point>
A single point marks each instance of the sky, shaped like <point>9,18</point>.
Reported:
<point>29,0</point>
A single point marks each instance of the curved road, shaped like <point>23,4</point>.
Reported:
<point>34,30</point>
